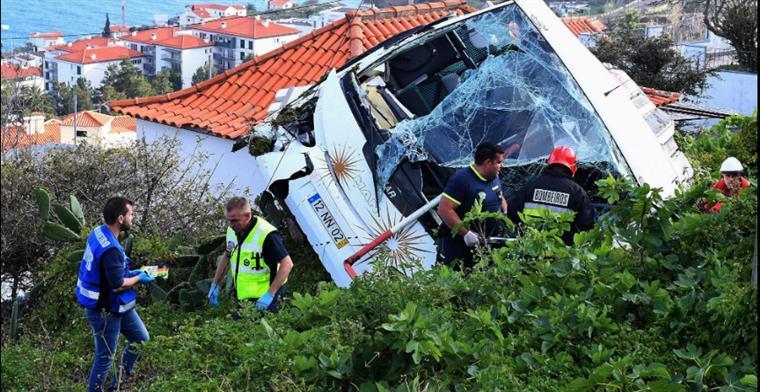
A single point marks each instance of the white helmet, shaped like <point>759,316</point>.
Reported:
<point>730,165</point>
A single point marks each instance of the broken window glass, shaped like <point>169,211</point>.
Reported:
<point>520,96</point>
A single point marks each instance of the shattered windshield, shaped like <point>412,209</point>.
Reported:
<point>517,94</point>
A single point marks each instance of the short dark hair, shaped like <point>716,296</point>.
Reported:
<point>237,203</point>
<point>486,151</point>
<point>114,207</point>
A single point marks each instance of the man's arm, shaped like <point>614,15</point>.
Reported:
<point>286,265</point>
<point>114,270</point>
<point>221,267</point>
<point>503,205</point>
<point>447,212</point>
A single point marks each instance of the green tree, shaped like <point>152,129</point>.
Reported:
<point>20,101</point>
<point>736,21</point>
<point>162,83</point>
<point>651,62</point>
<point>202,74</point>
<point>63,97</point>
<point>107,28</point>
<point>124,81</point>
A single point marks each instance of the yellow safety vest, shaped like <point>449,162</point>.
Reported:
<point>252,274</point>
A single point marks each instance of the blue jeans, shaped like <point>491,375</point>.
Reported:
<point>106,327</point>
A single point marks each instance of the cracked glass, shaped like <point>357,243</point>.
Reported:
<point>520,96</point>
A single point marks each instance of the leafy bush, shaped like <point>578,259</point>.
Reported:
<point>656,297</point>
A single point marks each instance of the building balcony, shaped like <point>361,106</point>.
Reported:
<point>172,59</point>
<point>223,44</point>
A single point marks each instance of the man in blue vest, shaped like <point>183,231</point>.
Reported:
<point>479,181</point>
<point>104,289</point>
<point>258,260</point>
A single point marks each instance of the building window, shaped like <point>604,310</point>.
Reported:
<point>133,46</point>
<point>242,55</point>
<point>138,61</point>
<point>250,45</point>
<point>242,44</point>
<point>79,69</point>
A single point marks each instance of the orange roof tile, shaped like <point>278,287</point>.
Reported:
<point>660,97</point>
<point>12,71</point>
<point>16,136</point>
<point>54,34</point>
<point>227,104</point>
<point>122,124</point>
<point>279,3</point>
<point>99,55</point>
<point>82,44</point>
<point>146,36</point>
<point>244,26</point>
<point>185,41</point>
<point>580,24</point>
<point>87,119</point>
<point>120,29</point>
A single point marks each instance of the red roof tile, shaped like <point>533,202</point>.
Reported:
<point>185,41</point>
<point>82,44</point>
<point>54,34</point>
<point>660,97</point>
<point>227,104</point>
<point>146,36</point>
<point>99,55</point>
<point>244,26</point>
<point>580,24</point>
<point>201,13</point>
<point>12,71</point>
<point>87,119</point>
<point>279,3</point>
<point>17,137</point>
<point>122,124</point>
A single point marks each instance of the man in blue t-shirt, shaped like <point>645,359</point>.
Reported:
<point>479,181</point>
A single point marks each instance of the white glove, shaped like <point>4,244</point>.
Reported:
<point>471,239</point>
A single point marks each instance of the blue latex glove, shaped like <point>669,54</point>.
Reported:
<point>145,278</point>
<point>263,303</point>
<point>213,294</point>
<point>133,273</point>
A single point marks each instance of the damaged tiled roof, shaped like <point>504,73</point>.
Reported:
<point>227,104</point>
<point>580,24</point>
<point>16,136</point>
<point>660,97</point>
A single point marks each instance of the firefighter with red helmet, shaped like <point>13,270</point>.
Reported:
<point>556,190</point>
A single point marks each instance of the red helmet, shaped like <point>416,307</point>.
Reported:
<point>564,156</point>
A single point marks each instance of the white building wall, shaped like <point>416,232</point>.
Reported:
<point>96,72</point>
<point>238,169</point>
<point>192,59</point>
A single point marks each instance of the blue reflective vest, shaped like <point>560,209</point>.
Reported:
<point>89,287</point>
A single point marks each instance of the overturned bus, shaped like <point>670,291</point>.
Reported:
<point>358,156</point>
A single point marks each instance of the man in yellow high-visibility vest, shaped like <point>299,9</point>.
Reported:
<point>260,264</point>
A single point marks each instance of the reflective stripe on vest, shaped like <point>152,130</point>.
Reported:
<point>535,206</point>
<point>91,294</point>
<point>250,281</point>
<point>127,306</point>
